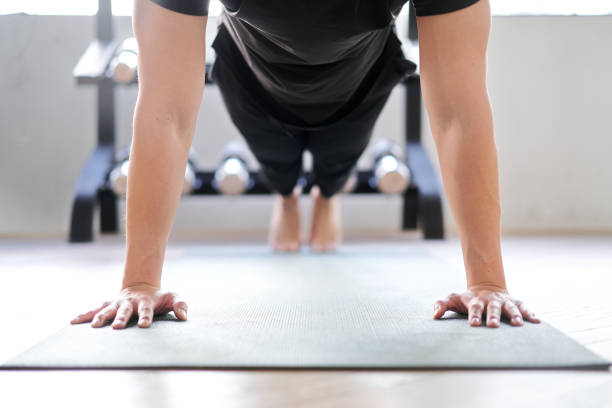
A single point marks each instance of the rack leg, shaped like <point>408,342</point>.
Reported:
<point>429,202</point>
<point>410,209</point>
<point>431,217</point>
<point>82,220</point>
<point>90,180</point>
<point>109,215</point>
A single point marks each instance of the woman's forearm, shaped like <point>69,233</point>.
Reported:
<point>468,160</point>
<point>156,172</point>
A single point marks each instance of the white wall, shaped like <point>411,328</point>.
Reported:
<point>549,82</point>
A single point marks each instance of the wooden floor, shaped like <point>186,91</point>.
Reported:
<point>566,280</point>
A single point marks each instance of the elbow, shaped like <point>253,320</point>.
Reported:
<point>153,119</point>
<point>471,116</point>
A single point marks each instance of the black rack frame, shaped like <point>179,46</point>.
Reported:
<point>421,200</point>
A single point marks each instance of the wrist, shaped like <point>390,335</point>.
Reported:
<point>491,277</point>
<point>142,269</point>
<point>486,274</point>
<point>487,285</point>
<point>130,284</point>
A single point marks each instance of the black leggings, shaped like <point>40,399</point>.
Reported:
<point>278,144</point>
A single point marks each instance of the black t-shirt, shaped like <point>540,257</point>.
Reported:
<point>422,7</point>
<point>310,56</point>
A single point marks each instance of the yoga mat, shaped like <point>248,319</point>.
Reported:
<point>366,306</point>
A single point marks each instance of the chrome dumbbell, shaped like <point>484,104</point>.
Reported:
<point>190,180</point>
<point>119,174</point>
<point>124,66</point>
<point>391,175</point>
<point>232,175</point>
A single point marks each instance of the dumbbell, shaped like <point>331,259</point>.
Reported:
<point>232,175</point>
<point>124,66</point>
<point>391,175</point>
<point>119,173</point>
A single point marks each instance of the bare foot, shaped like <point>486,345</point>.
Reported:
<point>326,227</point>
<point>285,223</point>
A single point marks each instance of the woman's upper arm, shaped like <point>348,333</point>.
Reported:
<point>171,60</point>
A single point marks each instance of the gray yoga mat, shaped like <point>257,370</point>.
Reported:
<point>366,306</point>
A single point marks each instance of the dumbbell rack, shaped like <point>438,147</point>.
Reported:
<point>421,200</point>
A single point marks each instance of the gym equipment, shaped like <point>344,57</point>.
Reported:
<point>421,198</point>
<point>368,306</point>
<point>232,176</point>
<point>118,178</point>
<point>124,66</point>
<point>391,175</point>
<point>118,175</point>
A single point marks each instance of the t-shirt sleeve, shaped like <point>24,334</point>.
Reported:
<point>433,7</point>
<point>191,7</point>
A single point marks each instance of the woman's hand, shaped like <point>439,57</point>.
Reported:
<point>143,300</point>
<point>495,302</point>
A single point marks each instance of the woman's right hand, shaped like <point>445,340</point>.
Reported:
<point>142,300</point>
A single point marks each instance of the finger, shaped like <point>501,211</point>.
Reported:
<point>440,307</point>
<point>452,303</point>
<point>493,313</point>
<point>123,315</point>
<point>87,317</point>
<point>513,313</point>
<point>145,312</point>
<point>456,303</point>
<point>104,315</point>
<point>527,315</point>
<point>475,309</point>
<point>179,306</point>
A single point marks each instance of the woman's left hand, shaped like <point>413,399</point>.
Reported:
<point>494,302</point>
